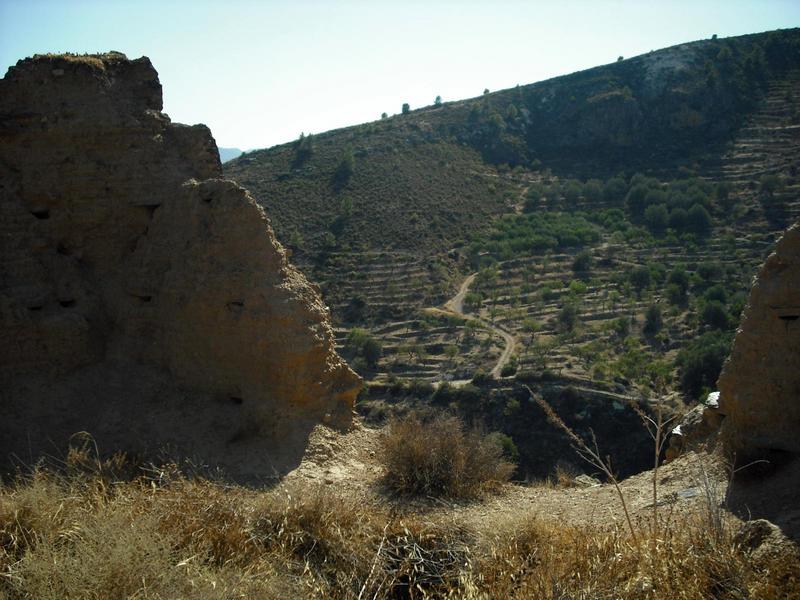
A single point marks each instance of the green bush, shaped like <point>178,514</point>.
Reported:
<point>509,368</point>
<point>636,199</point>
<point>656,218</point>
<point>714,315</point>
<point>510,450</point>
<point>653,322</point>
<point>640,278</point>
<point>568,316</point>
<point>481,377</point>
<point>700,361</point>
<point>614,190</point>
<point>583,262</point>
<point>698,220</point>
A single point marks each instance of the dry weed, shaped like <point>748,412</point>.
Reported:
<point>438,457</point>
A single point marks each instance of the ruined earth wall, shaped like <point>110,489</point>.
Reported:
<point>760,382</point>
<point>120,245</point>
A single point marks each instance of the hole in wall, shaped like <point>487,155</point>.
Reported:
<point>41,214</point>
<point>150,208</point>
<point>63,250</point>
<point>235,399</point>
<point>35,308</point>
<point>67,303</point>
<point>235,304</point>
<point>141,298</point>
<point>789,318</point>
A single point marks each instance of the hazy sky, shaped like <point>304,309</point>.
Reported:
<point>259,73</point>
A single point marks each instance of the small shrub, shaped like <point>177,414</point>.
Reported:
<point>481,376</point>
<point>508,369</point>
<point>440,457</point>
<point>568,316</point>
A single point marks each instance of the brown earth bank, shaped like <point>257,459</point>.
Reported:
<point>144,299</point>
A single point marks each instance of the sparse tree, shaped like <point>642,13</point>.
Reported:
<point>583,262</point>
<point>568,316</point>
<point>653,322</point>
<point>640,278</point>
<point>714,315</point>
<point>531,327</point>
<point>303,149</point>
<point>406,108</point>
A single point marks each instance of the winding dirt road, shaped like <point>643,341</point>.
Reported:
<point>456,303</point>
<point>456,306</point>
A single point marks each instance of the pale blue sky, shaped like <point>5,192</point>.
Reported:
<point>259,73</point>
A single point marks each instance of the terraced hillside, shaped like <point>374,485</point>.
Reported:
<point>604,227</point>
<point>422,183</point>
<point>768,144</point>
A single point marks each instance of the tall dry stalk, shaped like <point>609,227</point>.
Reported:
<point>591,454</point>
<point>657,428</point>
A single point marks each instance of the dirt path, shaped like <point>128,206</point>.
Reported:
<point>511,343</point>
<point>456,303</point>
<point>456,306</point>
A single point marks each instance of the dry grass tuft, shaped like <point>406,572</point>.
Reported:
<point>439,457</point>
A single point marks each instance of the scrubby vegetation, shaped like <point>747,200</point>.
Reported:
<point>89,534</point>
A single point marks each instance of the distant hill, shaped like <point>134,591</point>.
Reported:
<point>226,154</point>
<point>419,181</point>
<point>613,220</point>
<point>419,184</point>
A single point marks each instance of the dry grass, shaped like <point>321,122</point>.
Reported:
<point>85,535</point>
<point>439,457</point>
<point>93,60</point>
<point>536,559</point>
